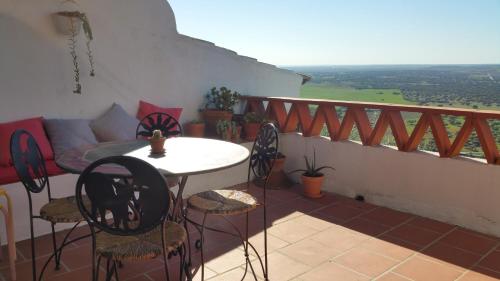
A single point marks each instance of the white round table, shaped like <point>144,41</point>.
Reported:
<point>183,157</point>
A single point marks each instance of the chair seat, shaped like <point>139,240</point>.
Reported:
<point>140,247</point>
<point>222,202</point>
<point>62,210</point>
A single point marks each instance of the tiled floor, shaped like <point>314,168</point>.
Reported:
<point>332,238</point>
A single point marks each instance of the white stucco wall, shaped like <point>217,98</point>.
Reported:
<point>458,191</point>
<point>138,55</point>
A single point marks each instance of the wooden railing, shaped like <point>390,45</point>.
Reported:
<point>311,123</point>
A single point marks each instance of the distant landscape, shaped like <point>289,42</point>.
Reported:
<point>461,86</point>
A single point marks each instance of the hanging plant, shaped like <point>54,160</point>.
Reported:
<point>75,18</point>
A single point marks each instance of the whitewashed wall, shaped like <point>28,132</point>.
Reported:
<point>138,55</point>
<point>458,191</point>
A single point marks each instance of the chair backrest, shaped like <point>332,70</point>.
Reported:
<point>264,152</point>
<point>167,124</point>
<point>123,206</point>
<point>28,161</point>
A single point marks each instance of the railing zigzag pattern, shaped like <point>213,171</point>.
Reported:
<point>299,116</point>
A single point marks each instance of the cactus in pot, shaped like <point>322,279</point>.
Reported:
<point>157,141</point>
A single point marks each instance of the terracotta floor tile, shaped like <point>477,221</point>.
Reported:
<point>339,238</point>
<point>283,195</point>
<point>280,214</point>
<point>159,274</point>
<point>326,218</point>
<point>283,268</point>
<point>366,226</point>
<point>313,222</point>
<point>224,260</point>
<point>432,225</point>
<point>332,238</point>
<point>420,269</point>
<point>82,274</point>
<point>141,277</point>
<point>366,262</point>
<point>78,257</point>
<point>400,242</point>
<point>24,270</point>
<point>327,199</point>
<point>235,274</point>
<point>487,236</point>
<point>386,248</point>
<point>330,271</point>
<point>452,255</point>
<point>480,274</point>
<point>469,241</point>
<point>305,206</point>
<point>43,246</point>
<point>392,277</point>
<point>4,261</point>
<point>415,235</point>
<point>358,204</point>
<point>134,268</point>
<point>310,252</point>
<point>491,261</point>
<point>341,212</point>
<point>387,216</point>
<point>273,243</point>
<point>291,231</point>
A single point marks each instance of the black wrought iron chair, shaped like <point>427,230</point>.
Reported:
<point>225,202</point>
<point>31,170</point>
<point>166,123</point>
<point>136,226</point>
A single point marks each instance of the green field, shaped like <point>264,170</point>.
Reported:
<point>326,91</point>
<point>334,92</point>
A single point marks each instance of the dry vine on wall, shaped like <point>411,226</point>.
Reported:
<point>75,18</point>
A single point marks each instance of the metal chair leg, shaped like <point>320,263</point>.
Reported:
<point>54,245</point>
<point>202,242</point>
<point>187,265</point>
<point>33,255</point>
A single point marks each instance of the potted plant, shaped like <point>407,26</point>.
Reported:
<point>219,106</point>
<point>312,178</point>
<point>195,128</point>
<point>251,126</point>
<point>157,141</point>
<point>235,132</point>
<point>223,129</point>
<point>277,177</point>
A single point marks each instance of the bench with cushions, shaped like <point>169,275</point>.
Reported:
<point>54,136</point>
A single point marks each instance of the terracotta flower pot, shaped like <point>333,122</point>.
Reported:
<point>279,163</point>
<point>211,117</point>
<point>157,145</point>
<point>251,131</point>
<point>196,130</point>
<point>312,186</point>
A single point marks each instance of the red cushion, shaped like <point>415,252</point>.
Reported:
<point>35,127</point>
<point>146,108</point>
<point>9,175</point>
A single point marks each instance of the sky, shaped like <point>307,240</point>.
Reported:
<point>341,32</point>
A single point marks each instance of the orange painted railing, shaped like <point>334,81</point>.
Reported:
<point>299,116</point>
